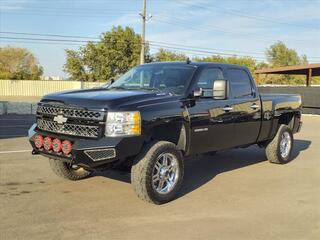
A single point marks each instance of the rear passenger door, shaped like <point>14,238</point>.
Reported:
<point>245,104</point>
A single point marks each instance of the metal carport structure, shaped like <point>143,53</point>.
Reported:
<point>309,70</point>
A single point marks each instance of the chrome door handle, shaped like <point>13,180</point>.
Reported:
<point>255,106</point>
<point>227,108</point>
<point>216,120</point>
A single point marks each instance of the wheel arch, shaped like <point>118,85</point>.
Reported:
<point>291,119</point>
<point>175,132</point>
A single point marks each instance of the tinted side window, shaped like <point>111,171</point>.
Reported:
<point>240,83</point>
<point>206,79</point>
<point>208,76</point>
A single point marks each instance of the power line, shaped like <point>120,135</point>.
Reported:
<point>241,14</point>
<point>79,44</point>
<point>40,42</point>
<point>83,41</point>
<point>151,43</point>
<point>47,39</point>
<point>49,35</point>
<point>65,11</point>
<point>178,22</point>
<point>156,42</point>
<point>59,14</point>
<point>212,49</point>
<point>203,51</point>
<point>73,9</point>
<point>211,28</point>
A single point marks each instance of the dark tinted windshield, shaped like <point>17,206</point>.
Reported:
<point>164,78</point>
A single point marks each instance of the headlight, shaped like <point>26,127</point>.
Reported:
<point>123,123</point>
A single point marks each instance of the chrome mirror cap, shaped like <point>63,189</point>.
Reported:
<point>220,89</point>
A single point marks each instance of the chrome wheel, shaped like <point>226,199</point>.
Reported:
<point>165,173</point>
<point>285,144</point>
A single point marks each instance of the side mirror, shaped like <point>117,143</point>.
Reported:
<point>220,89</point>
<point>197,92</point>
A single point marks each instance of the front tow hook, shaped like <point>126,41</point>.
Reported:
<point>34,152</point>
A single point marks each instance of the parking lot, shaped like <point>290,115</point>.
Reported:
<point>235,194</point>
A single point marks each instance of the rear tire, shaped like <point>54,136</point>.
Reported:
<point>65,170</point>
<point>157,173</point>
<point>279,149</point>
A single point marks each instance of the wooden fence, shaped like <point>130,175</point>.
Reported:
<point>40,87</point>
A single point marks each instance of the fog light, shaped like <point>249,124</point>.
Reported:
<point>56,145</point>
<point>47,143</point>
<point>66,147</point>
<point>38,141</point>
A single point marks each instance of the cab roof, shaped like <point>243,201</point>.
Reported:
<point>197,64</point>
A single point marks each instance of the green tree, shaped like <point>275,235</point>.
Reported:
<point>19,63</point>
<point>248,62</point>
<point>164,55</point>
<point>117,51</point>
<point>75,65</point>
<point>279,55</point>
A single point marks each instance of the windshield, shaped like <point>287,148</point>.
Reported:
<point>165,78</point>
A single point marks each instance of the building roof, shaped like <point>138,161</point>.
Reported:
<point>293,70</point>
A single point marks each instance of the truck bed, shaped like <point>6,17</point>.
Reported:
<point>280,102</point>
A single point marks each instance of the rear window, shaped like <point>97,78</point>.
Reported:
<point>240,83</point>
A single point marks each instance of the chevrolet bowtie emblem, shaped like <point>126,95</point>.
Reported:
<point>60,119</point>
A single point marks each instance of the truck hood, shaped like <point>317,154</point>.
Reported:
<point>101,98</point>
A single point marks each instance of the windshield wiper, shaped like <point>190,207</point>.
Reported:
<point>138,88</point>
<point>118,87</point>
<point>150,88</point>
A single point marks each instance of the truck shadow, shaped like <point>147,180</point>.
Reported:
<point>202,169</point>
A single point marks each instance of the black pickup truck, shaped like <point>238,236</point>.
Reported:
<point>155,115</point>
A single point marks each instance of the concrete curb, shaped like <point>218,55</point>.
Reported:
<point>17,107</point>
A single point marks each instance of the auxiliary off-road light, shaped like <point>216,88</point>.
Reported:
<point>38,141</point>
<point>66,147</point>
<point>56,145</point>
<point>47,143</point>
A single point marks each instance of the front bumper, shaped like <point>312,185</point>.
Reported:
<point>91,153</point>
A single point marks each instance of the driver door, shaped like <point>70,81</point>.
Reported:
<point>212,127</point>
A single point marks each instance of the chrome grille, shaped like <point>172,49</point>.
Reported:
<point>101,154</point>
<point>69,129</point>
<point>69,112</point>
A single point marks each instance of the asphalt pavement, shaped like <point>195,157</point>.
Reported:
<point>235,194</point>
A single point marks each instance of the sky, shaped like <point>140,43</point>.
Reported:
<point>193,27</point>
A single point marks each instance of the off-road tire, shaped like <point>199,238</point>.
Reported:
<point>141,172</point>
<point>273,147</point>
<point>65,170</point>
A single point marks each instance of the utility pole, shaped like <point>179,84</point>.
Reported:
<point>143,31</point>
